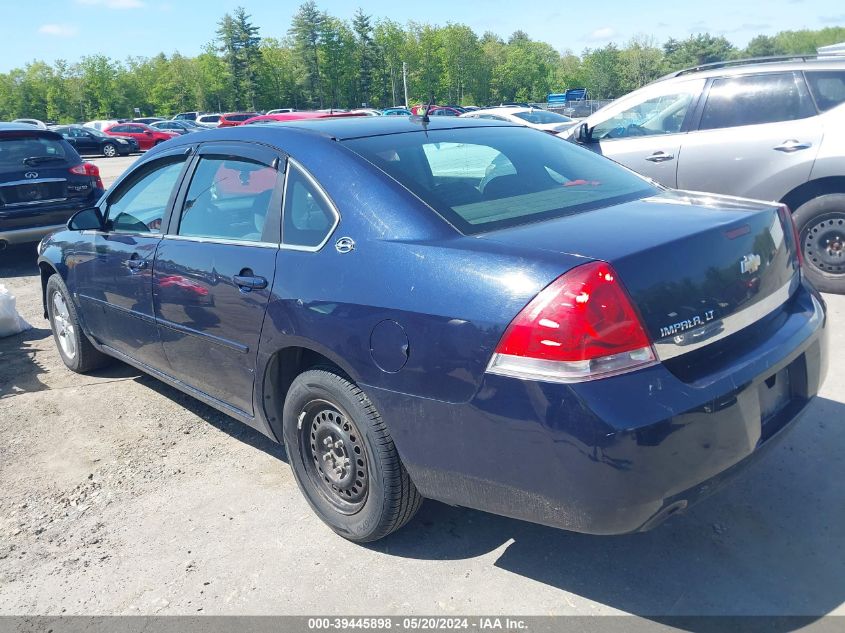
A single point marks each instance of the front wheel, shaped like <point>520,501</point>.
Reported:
<point>77,352</point>
<point>109,150</point>
<point>343,458</point>
<point>821,228</point>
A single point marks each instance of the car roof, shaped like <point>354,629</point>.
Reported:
<point>344,128</point>
<point>25,127</point>
<point>757,66</point>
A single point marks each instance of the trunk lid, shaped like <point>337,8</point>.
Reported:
<point>698,266</point>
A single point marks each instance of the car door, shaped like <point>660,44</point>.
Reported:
<point>215,269</point>
<point>644,131</point>
<point>757,136</point>
<point>113,274</point>
<point>85,142</point>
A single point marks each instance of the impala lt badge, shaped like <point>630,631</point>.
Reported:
<point>750,263</point>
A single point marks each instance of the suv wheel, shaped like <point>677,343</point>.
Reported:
<point>343,458</point>
<point>821,226</point>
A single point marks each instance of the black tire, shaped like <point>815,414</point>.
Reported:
<point>109,150</point>
<point>85,356</point>
<point>326,410</point>
<point>821,227</point>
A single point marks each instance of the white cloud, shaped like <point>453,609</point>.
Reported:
<point>604,33</point>
<point>114,4</point>
<point>58,30</point>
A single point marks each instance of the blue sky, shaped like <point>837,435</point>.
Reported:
<point>69,29</point>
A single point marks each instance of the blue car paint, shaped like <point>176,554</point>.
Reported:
<point>607,456</point>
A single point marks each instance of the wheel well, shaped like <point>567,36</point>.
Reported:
<point>47,271</point>
<point>813,189</point>
<point>284,366</point>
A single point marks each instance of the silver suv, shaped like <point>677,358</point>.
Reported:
<point>770,129</point>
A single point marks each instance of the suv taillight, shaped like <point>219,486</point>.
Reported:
<point>89,169</point>
<point>582,326</point>
<point>787,219</point>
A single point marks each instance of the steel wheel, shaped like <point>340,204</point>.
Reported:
<point>109,150</point>
<point>64,328</point>
<point>823,243</point>
<point>333,450</point>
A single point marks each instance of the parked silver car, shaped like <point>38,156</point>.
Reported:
<point>772,130</point>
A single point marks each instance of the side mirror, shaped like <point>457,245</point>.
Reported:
<point>86,220</point>
<point>584,134</point>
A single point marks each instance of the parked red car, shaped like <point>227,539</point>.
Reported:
<point>298,116</point>
<point>231,119</point>
<point>146,136</point>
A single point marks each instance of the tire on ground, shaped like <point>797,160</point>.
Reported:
<point>391,500</point>
<point>86,356</point>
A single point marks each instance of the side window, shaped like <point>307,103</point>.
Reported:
<point>139,205</point>
<point>309,217</point>
<point>229,198</point>
<point>828,87</point>
<point>120,128</point>
<point>755,99</point>
<point>655,115</point>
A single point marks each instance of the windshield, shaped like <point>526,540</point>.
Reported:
<point>541,117</point>
<point>482,179</point>
<point>21,150</point>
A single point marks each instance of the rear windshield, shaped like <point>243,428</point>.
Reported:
<point>541,117</point>
<point>21,150</point>
<point>482,179</point>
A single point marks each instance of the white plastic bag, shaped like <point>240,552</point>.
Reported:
<point>10,321</point>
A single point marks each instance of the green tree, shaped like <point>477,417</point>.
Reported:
<point>306,27</point>
<point>239,43</point>
<point>364,55</point>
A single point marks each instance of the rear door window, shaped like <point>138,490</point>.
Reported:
<point>828,87</point>
<point>229,199</point>
<point>754,100</point>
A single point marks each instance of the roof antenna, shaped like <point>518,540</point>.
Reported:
<point>425,118</point>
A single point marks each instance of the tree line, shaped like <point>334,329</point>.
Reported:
<point>324,62</point>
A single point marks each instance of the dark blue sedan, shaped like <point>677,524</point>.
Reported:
<point>462,310</point>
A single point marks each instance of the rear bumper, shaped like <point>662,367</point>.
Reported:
<point>611,456</point>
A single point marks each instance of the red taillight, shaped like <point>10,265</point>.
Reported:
<point>582,326</point>
<point>89,169</point>
<point>788,220</point>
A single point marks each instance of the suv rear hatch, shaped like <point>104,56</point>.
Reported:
<point>698,267</point>
<point>36,181</point>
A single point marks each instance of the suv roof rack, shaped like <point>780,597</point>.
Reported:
<point>743,62</point>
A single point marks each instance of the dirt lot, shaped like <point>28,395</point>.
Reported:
<point>122,496</point>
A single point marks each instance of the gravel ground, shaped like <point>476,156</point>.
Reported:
<point>120,495</point>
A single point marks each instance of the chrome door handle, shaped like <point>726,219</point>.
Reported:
<point>250,282</point>
<point>660,157</point>
<point>792,145</point>
<point>136,264</point>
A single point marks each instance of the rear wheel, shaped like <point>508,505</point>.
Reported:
<point>821,227</point>
<point>76,350</point>
<point>109,150</point>
<point>343,458</point>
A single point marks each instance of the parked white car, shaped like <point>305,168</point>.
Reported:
<point>101,124</point>
<point>281,111</point>
<point>529,117</point>
<point>209,120</point>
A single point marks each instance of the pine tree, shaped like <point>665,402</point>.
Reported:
<point>306,28</point>
<point>366,54</point>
